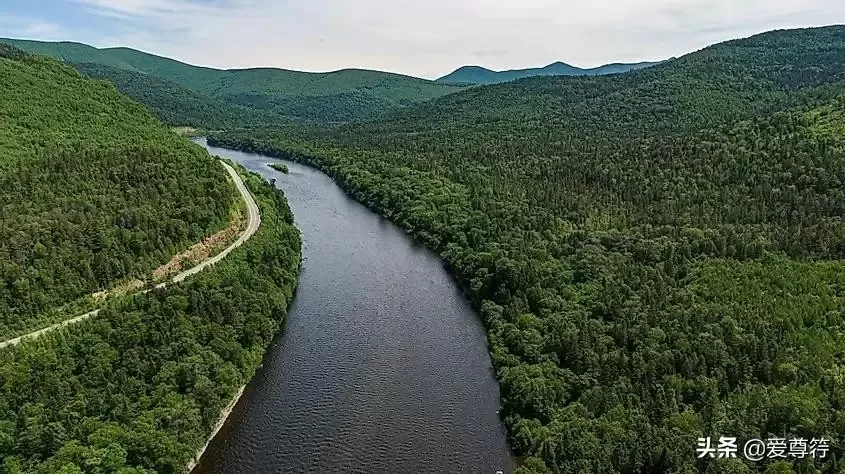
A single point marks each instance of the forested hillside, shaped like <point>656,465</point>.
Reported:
<point>717,85</point>
<point>174,104</point>
<point>657,255</point>
<point>339,96</point>
<point>139,388</point>
<point>94,189</point>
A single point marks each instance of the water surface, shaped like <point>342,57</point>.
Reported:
<point>382,365</point>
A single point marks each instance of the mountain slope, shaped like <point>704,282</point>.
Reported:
<point>140,388</point>
<point>477,75</point>
<point>657,256</point>
<point>94,189</point>
<point>174,104</point>
<point>724,82</point>
<point>345,95</point>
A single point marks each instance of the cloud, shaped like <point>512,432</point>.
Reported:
<point>431,38</point>
<point>30,27</point>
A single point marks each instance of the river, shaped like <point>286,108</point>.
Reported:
<point>382,365</point>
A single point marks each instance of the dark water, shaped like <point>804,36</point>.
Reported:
<point>382,365</point>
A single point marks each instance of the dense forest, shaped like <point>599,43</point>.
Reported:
<point>657,256</point>
<point>339,96</point>
<point>139,388</point>
<point>717,85</point>
<point>94,189</point>
<point>174,104</point>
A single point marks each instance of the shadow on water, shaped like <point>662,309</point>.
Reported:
<point>382,366</point>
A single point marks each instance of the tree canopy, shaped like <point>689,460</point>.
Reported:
<point>657,256</point>
<point>94,189</point>
<point>139,388</point>
<point>174,104</point>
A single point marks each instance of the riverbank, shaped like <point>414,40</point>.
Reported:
<point>224,415</point>
<point>217,326</point>
<point>380,354</point>
<point>227,410</point>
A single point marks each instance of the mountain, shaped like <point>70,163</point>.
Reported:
<point>657,256</point>
<point>174,104</point>
<point>95,189</point>
<point>339,96</point>
<point>477,75</point>
<point>719,84</point>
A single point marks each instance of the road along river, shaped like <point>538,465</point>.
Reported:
<point>253,221</point>
<point>382,366</point>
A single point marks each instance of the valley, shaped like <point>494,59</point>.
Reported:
<point>221,96</point>
<point>381,353</point>
<point>552,270</point>
<point>619,263</point>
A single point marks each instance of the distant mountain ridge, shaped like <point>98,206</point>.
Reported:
<point>477,75</point>
<point>184,94</point>
<point>339,96</point>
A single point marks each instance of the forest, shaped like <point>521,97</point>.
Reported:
<point>138,388</point>
<point>95,190</point>
<point>657,256</point>
<point>340,96</point>
<point>173,104</point>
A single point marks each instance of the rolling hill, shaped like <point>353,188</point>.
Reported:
<point>719,84</point>
<point>339,96</point>
<point>175,104</point>
<point>477,75</point>
<point>657,256</point>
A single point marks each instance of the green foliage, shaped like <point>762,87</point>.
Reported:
<point>140,387</point>
<point>717,85</point>
<point>657,256</point>
<point>339,96</point>
<point>174,104</point>
<point>827,121</point>
<point>94,189</point>
<point>279,167</point>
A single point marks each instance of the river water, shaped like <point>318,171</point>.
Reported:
<point>382,365</point>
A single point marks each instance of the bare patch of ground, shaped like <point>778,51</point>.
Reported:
<point>185,131</point>
<point>202,250</point>
<point>198,252</point>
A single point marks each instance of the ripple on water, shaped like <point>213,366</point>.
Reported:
<point>382,365</point>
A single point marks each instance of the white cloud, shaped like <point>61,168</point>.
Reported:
<point>30,27</point>
<point>430,38</point>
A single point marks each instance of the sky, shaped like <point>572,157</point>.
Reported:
<point>424,38</point>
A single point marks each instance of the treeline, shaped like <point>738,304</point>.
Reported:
<point>140,387</point>
<point>667,270</point>
<point>353,106</point>
<point>94,189</point>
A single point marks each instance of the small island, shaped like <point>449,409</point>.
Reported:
<point>279,167</point>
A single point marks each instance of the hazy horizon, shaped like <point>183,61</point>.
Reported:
<point>426,41</point>
<point>445,73</point>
